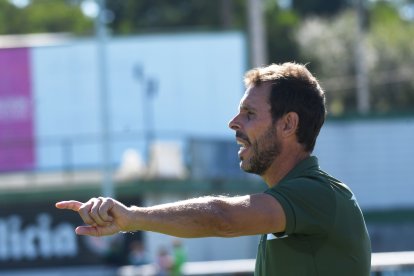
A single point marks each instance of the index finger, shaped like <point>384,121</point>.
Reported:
<point>69,204</point>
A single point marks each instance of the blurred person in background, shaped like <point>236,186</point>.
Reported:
<point>179,258</point>
<point>137,254</point>
<point>164,262</point>
<point>310,223</point>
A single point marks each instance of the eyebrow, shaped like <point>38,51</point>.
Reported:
<point>246,107</point>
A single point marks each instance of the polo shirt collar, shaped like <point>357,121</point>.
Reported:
<point>308,163</point>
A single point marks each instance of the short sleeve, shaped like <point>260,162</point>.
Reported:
<point>309,205</point>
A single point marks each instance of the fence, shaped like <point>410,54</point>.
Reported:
<point>382,264</point>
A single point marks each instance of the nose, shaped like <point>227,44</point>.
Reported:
<point>234,123</point>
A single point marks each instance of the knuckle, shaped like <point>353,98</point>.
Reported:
<point>103,209</point>
<point>87,219</point>
<point>94,215</point>
<point>94,208</point>
<point>92,200</point>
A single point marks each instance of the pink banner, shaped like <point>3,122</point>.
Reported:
<point>16,111</point>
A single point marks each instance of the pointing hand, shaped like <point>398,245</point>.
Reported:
<point>103,216</point>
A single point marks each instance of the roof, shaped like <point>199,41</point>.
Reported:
<point>33,40</point>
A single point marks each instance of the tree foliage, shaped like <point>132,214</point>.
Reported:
<point>154,15</point>
<point>134,17</point>
<point>391,42</point>
<point>280,29</point>
<point>330,46</point>
<point>194,15</point>
<point>319,7</point>
<point>318,32</point>
<point>44,16</point>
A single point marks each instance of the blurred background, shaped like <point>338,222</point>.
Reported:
<point>131,99</point>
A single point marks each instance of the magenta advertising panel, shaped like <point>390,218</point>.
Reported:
<point>16,111</point>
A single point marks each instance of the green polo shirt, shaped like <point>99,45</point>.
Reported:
<point>325,231</point>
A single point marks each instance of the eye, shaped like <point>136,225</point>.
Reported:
<point>250,114</point>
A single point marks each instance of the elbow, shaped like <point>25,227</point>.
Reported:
<point>223,222</point>
<point>224,229</point>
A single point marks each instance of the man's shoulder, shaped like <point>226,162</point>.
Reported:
<point>304,190</point>
<point>315,181</point>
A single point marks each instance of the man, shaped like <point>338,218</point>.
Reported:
<point>310,222</point>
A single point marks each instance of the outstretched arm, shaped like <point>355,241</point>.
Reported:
<point>197,217</point>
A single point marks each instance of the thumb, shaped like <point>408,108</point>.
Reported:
<point>70,205</point>
<point>96,231</point>
<point>87,231</point>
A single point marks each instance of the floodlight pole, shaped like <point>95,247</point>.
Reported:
<point>150,89</point>
<point>257,33</point>
<point>362,82</point>
<point>107,188</point>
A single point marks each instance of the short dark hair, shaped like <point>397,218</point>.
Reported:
<point>293,89</point>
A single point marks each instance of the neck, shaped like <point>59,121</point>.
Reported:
<point>282,165</point>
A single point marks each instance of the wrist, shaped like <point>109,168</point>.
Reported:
<point>131,223</point>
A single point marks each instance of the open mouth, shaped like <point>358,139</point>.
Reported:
<point>242,143</point>
<point>244,146</point>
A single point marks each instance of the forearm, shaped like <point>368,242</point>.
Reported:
<point>198,217</point>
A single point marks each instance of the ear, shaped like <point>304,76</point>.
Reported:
<point>289,124</point>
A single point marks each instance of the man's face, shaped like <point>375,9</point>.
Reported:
<point>255,131</point>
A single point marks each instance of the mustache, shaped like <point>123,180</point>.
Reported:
<point>242,136</point>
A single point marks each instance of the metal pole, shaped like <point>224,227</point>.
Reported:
<point>101,39</point>
<point>146,121</point>
<point>151,87</point>
<point>149,90</point>
<point>257,33</point>
<point>362,83</point>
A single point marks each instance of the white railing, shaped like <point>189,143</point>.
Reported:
<point>195,268</point>
<point>380,262</point>
<point>392,261</point>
